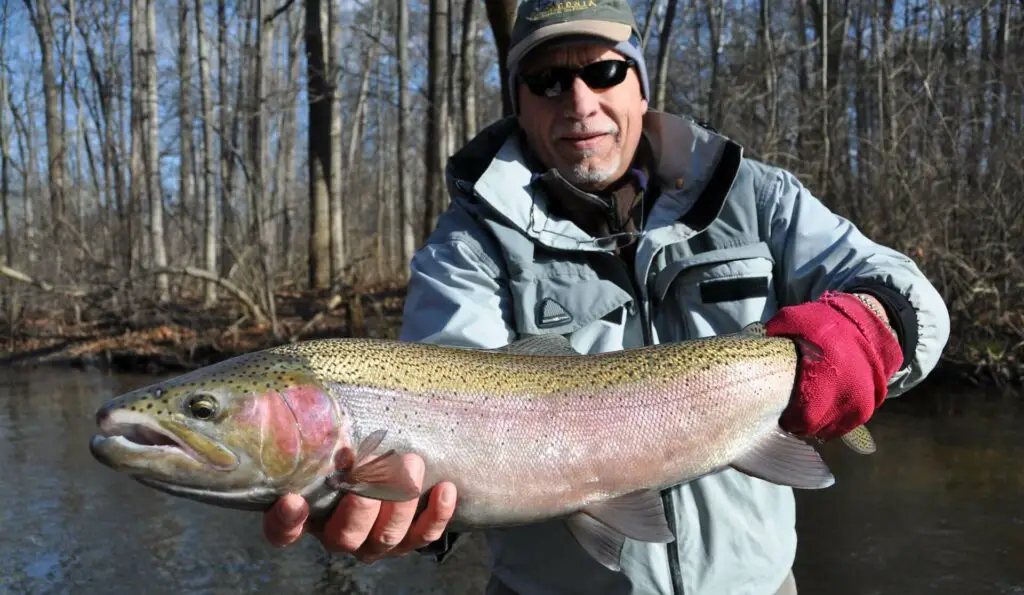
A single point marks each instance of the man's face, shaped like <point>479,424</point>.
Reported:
<point>589,135</point>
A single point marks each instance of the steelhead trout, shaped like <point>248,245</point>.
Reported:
<point>529,432</point>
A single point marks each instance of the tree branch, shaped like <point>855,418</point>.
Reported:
<point>43,285</point>
<point>280,10</point>
<point>250,304</point>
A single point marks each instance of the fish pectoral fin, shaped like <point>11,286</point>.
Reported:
<point>370,444</point>
<point>784,459</point>
<point>382,478</point>
<point>638,515</point>
<point>603,543</point>
<point>859,440</point>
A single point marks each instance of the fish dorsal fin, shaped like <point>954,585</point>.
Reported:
<point>601,528</point>
<point>754,329</point>
<point>540,345</point>
<point>784,459</point>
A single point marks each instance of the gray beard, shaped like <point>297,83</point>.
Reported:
<point>581,175</point>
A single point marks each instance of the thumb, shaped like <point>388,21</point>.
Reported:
<point>284,523</point>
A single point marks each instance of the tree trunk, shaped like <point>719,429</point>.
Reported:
<point>664,53</point>
<point>320,99</point>
<point>501,14</point>
<point>226,120</point>
<point>287,143</point>
<point>645,35</point>
<point>258,132</point>
<point>437,65</point>
<point>152,148</point>
<point>333,59</point>
<point>716,18</point>
<point>404,186</point>
<point>186,150</point>
<point>468,74</point>
<point>208,161</point>
<point>138,135</point>
<point>9,299</point>
<point>40,15</point>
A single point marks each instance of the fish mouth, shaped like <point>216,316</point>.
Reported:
<point>129,440</point>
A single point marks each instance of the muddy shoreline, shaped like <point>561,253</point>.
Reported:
<point>169,339</point>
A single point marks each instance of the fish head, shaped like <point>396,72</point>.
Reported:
<point>238,434</point>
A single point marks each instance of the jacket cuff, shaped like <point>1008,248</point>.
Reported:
<point>902,316</point>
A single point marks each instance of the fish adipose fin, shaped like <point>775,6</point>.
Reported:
<point>859,440</point>
<point>784,459</point>
<point>602,528</point>
<point>381,478</point>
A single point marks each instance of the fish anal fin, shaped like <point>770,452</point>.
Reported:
<point>784,459</point>
<point>603,543</point>
<point>638,515</point>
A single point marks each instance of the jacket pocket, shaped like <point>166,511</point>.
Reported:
<point>715,292</point>
<point>569,299</point>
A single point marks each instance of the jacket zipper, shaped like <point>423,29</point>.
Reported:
<point>666,496</point>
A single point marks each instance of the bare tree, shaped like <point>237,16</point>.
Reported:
<point>320,100</point>
<point>404,187</point>
<point>664,56</point>
<point>501,15</point>
<point>154,185</point>
<point>41,17</point>
<point>186,150</point>
<point>437,99</point>
<point>207,158</point>
<point>468,73</point>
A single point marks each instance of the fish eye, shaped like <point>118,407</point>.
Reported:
<point>201,406</point>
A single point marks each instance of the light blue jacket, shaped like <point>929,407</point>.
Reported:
<point>729,241</point>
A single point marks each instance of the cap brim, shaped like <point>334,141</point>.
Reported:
<point>615,32</point>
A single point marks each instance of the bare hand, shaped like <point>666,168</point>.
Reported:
<point>369,529</point>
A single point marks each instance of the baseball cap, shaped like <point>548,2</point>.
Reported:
<point>541,21</point>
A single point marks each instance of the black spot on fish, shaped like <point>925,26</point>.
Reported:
<point>149,406</point>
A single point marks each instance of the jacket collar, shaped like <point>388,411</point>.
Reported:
<point>688,158</point>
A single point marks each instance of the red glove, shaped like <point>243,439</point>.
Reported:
<point>839,388</point>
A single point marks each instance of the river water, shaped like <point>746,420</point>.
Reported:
<point>936,510</point>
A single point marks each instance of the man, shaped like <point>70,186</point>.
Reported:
<point>589,216</point>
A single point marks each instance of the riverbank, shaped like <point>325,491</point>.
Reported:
<point>170,338</point>
<point>166,339</point>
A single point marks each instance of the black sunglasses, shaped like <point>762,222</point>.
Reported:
<point>555,80</point>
